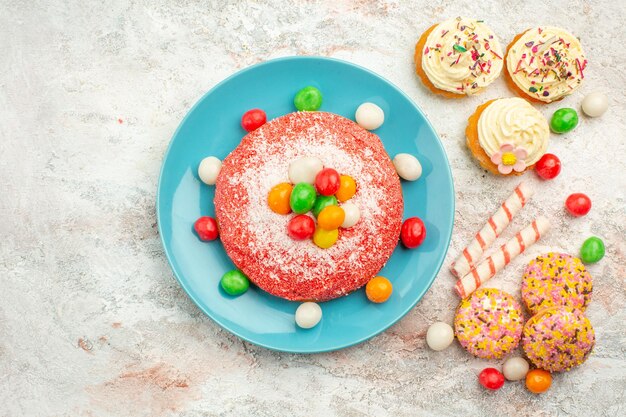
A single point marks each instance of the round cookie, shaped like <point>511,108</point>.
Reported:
<point>556,279</point>
<point>488,323</point>
<point>558,339</point>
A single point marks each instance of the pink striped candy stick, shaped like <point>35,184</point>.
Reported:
<point>492,229</point>
<point>491,265</point>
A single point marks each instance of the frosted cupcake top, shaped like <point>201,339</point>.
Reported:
<point>547,63</point>
<point>512,125</point>
<point>462,55</point>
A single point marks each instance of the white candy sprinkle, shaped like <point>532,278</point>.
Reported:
<point>308,315</point>
<point>407,166</point>
<point>305,169</point>
<point>353,214</point>
<point>208,170</point>
<point>595,104</point>
<point>439,336</point>
<point>369,116</point>
<point>515,369</point>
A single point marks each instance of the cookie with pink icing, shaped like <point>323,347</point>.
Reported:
<point>558,339</point>
<point>556,279</point>
<point>489,323</point>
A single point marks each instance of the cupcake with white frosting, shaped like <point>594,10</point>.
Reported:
<point>507,136</point>
<point>458,57</point>
<point>545,64</point>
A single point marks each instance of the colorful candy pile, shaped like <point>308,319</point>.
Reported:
<point>318,190</point>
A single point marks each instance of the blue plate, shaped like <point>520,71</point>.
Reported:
<point>212,127</point>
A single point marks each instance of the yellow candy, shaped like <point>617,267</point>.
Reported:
<point>331,217</point>
<point>347,188</point>
<point>325,238</point>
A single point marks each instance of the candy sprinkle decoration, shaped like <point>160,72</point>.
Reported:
<point>305,169</point>
<point>253,119</point>
<point>325,238</point>
<point>302,198</point>
<point>278,198</point>
<point>439,336</point>
<point>491,379</point>
<point>308,99</point>
<point>234,282</point>
<point>413,232</point>
<point>595,104</point>
<point>369,116</point>
<point>564,120</point>
<point>515,369</point>
<point>209,169</point>
<point>592,250</point>
<point>308,315</point>
<point>378,289</point>
<point>538,381</point>
<point>548,166</point>
<point>407,166</point>
<point>352,214</point>
<point>578,204</point>
<point>206,228</point>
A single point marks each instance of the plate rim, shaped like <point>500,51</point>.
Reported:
<point>207,312</point>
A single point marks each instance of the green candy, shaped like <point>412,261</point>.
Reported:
<point>302,198</point>
<point>235,282</point>
<point>564,120</point>
<point>592,250</point>
<point>308,99</point>
<point>323,201</point>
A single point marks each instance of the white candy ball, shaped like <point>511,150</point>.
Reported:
<point>439,336</point>
<point>308,315</point>
<point>353,214</point>
<point>595,104</point>
<point>208,169</point>
<point>305,169</point>
<point>515,369</point>
<point>407,166</point>
<point>369,116</point>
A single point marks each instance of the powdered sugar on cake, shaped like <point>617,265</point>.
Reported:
<point>255,237</point>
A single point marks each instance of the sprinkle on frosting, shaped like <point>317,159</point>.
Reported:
<point>515,122</point>
<point>462,55</point>
<point>556,279</point>
<point>558,339</point>
<point>547,62</point>
<point>488,323</point>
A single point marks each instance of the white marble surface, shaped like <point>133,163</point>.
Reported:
<point>92,322</point>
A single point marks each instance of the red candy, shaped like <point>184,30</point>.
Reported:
<point>206,228</point>
<point>413,232</point>
<point>491,378</point>
<point>301,227</point>
<point>548,167</point>
<point>578,204</point>
<point>327,182</point>
<point>253,119</point>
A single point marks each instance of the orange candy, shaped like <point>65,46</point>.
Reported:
<point>331,217</point>
<point>378,289</point>
<point>278,198</point>
<point>538,381</point>
<point>347,188</point>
